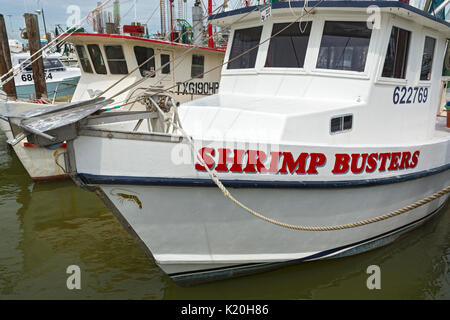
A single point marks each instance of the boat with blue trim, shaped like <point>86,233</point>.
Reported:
<point>327,117</point>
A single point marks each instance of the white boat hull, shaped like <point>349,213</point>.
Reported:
<point>195,233</point>
<point>41,164</point>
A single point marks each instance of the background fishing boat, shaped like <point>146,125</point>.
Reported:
<point>123,54</point>
<point>61,80</point>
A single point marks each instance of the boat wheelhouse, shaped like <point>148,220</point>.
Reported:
<point>106,58</point>
<point>324,142</point>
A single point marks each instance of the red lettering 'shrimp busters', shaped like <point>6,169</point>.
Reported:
<point>252,161</point>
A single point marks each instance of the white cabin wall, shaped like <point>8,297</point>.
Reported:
<point>436,76</point>
<point>403,122</point>
<point>368,96</point>
<point>180,69</point>
<point>184,61</point>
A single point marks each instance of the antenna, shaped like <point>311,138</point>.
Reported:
<point>11,25</point>
<point>180,9</point>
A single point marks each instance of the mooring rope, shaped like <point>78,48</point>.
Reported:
<point>360,223</point>
<point>386,216</point>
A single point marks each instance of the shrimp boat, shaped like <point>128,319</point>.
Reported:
<point>104,60</point>
<point>322,121</point>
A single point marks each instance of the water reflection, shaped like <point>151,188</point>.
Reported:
<point>49,226</point>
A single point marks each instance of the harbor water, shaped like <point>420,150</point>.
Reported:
<point>47,227</point>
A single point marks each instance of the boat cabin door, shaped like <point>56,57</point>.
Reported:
<point>166,74</point>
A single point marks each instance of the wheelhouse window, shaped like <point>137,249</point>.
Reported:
<point>427,58</point>
<point>287,48</point>
<point>53,64</point>
<point>344,46</point>
<point>198,66</point>
<point>165,59</point>
<point>27,65</point>
<point>143,54</point>
<point>397,54</point>
<point>97,58</point>
<point>84,60</point>
<point>116,60</point>
<point>244,40</point>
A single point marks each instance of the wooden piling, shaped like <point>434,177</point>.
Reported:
<point>34,43</point>
<point>5,61</point>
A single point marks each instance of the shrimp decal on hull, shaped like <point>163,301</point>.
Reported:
<point>126,195</point>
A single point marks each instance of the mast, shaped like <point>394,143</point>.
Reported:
<point>162,6</point>
<point>116,15</point>
<point>180,9</point>
<point>197,23</point>
<point>210,33</point>
<point>171,19</point>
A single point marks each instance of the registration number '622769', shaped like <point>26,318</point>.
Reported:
<point>406,95</point>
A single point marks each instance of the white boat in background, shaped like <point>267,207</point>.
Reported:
<point>324,124</point>
<point>104,60</point>
<point>60,80</point>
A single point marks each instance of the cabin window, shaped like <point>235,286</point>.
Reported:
<point>53,64</point>
<point>397,54</point>
<point>341,123</point>
<point>165,59</point>
<point>427,58</point>
<point>49,64</point>
<point>27,65</point>
<point>84,60</point>
<point>287,49</point>
<point>116,60</point>
<point>97,58</point>
<point>244,40</point>
<point>142,54</point>
<point>198,66</point>
<point>344,46</point>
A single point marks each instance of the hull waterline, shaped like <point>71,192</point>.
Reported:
<point>197,235</point>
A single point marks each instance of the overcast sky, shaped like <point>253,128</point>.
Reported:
<point>56,12</point>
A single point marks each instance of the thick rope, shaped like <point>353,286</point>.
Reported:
<point>386,216</point>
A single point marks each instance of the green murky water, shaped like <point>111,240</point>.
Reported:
<point>44,228</point>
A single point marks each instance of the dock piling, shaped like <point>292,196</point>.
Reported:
<point>5,61</point>
<point>34,43</point>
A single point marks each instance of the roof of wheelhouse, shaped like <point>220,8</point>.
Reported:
<point>403,9</point>
<point>92,36</point>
